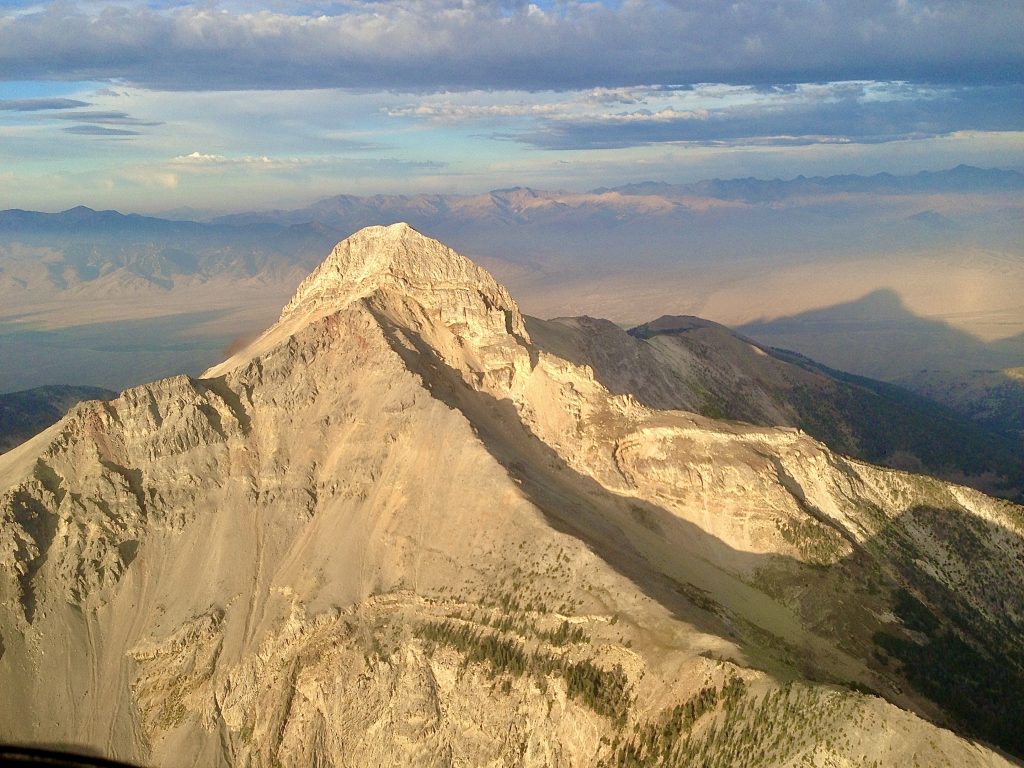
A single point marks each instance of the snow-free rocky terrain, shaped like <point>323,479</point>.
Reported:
<point>394,530</point>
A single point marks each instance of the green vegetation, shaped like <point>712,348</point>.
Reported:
<point>914,614</point>
<point>565,634</point>
<point>816,543</point>
<point>606,692</point>
<point>968,661</point>
<point>539,587</point>
<point>728,726</point>
<point>699,597</point>
<point>958,638</point>
<point>983,693</point>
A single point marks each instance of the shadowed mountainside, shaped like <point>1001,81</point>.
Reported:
<point>992,398</point>
<point>878,336</point>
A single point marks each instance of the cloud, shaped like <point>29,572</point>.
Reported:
<point>455,113</point>
<point>486,106</point>
<point>203,159</point>
<point>105,118</point>
<point>199,161</point>
<point>726,115</point>
<point>433,45</point>
<point>39,105</point>
<point>815,114</point>
<point>99,130</point>
<point>199,157</point>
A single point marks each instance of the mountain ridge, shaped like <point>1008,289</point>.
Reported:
<point>960,178</point>
<point>689,363</point>
<point>24,414</point>
<point>407,530</point>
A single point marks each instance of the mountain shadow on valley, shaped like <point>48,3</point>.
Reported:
<point>877,336</point>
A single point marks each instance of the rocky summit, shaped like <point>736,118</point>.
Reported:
<point>396,530</point>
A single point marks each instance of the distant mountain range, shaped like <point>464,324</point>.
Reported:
<point>94,244</point>
<point>524,203</point>
<point>513,204</point>
<point>771,257</point>
<point>248,243</point>
<point>963,178</point>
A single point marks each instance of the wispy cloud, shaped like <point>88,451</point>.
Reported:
<point>199,161</point>
<point>259,98</point>
<point>40,105</point>
<point>721,115</point>
<point>105,118</point>
<point>452,112</point>
<point>199,158</point>
<point>99,130</point>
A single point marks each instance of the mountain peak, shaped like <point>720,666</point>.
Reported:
<point>412,282</point>
<point>398,259</point>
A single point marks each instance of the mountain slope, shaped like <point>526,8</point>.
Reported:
<point>394,529</point>
<point>694,364</point>
<point>23,414</point>
<point>992,398</point>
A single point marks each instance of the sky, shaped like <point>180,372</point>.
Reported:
<point>230,105</point>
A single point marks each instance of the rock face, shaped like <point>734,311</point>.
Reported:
<point>696,365</point>
<point>24,414</point>
<point>396,530</point>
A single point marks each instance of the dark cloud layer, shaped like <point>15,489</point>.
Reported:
<point>442,44</point>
